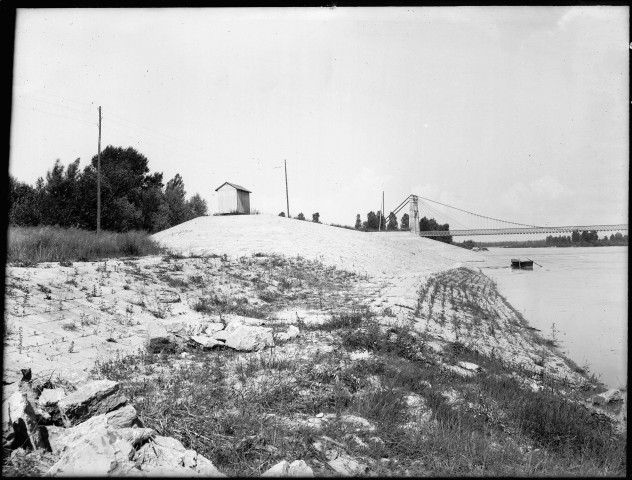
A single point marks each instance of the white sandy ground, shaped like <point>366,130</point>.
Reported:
<point>396,264</point>
<point>400,259</point>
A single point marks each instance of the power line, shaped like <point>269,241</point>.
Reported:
<point>158,143</point>
<point>156,132</point>
<point>51,103</point>
<point>161,138</point>
<point>57,115</point>
<point>91,104</point>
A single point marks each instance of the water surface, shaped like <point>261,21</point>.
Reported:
<point>583,291</point>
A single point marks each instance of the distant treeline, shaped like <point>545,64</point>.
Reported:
<point>576,239</point>
<point>376,222</point>
<point>132,198</point>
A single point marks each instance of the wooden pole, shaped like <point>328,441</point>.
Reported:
<point>383,216</point>
<point>287,198</point>
<point>99,178</point>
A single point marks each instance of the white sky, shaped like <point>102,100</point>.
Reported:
<point>519,113</point>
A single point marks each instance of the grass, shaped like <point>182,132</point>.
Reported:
<point>29,246</point>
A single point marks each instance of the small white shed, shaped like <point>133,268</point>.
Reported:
<point>232,198</point>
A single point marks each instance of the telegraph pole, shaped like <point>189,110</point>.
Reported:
<point>287,198</point>
<point>99,179</point>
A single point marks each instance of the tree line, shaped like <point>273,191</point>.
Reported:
<point>585,238</point>
<point>132,198</point>
<point>376,222</point>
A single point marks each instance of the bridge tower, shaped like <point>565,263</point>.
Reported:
<point>413,220</point>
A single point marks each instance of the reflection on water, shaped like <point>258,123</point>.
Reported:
<point>583,292</point>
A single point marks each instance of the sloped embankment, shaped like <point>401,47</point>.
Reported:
<point>443,379</point>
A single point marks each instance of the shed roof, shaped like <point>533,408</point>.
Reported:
<point>234,186</point>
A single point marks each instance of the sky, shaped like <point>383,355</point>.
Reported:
<point>517,113</point>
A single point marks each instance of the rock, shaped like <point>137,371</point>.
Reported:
<point>292,332</point>
<point>159,339</point>
<point>47,407</point>
<point>204,342</point>
<point>347,466</point>
<point>206,468</point>
<point>251,322</point>
<point>278,470</point>
<point>469,366</point>
<point>167,456</point>
<point>459,370</point>
<point>358,423</point>
<point>168,296</point>
<point>213,327</point>
<point>297,468</point>
<point>356,441</point>
<point>609,396</point>
<point>245,338</point>
<point>123,417</point>
<point>99,451</point>
<point>136,436</point>
<point>162,451</point>
<point>50,397</point>
<point>119,420</point>
<point>189,459</point>
<point>22,419</point>
<point>93,398</point>
<point>185,327</point>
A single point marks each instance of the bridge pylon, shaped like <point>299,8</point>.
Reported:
<point>413,221</point>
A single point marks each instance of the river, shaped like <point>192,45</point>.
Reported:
<point>583,292</point>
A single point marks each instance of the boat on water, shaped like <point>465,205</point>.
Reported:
<point>524,264</point>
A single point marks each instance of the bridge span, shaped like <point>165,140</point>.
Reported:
<point>524,230</point>
<point>486,225</point>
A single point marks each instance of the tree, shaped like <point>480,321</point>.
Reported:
<point>315,217</point>
<point>197,206</point>
<point>392,222</point>
<point>175,198</point>
<point>404,224</point>
<point>58,202</point>
<point>23,204</point>
<point>301,216</point>
<point>371,221</point>
<point>125,181</point>
<point>469,244</point>
<point>358,222</point>
<point>282,214</point>
<point>431,225</point>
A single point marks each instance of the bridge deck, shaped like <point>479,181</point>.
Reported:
<point>530,230</point>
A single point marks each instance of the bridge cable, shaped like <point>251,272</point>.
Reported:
<point>482,216</point>
<point>436,213</point>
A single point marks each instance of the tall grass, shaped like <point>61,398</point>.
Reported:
<point>28,246</point>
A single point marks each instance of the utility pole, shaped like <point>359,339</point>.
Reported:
<point>383,216</point>
<point>287,198</point>
<point>379,227</point>
<point>99,179</point>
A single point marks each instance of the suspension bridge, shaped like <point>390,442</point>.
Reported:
<point>470,223</point>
